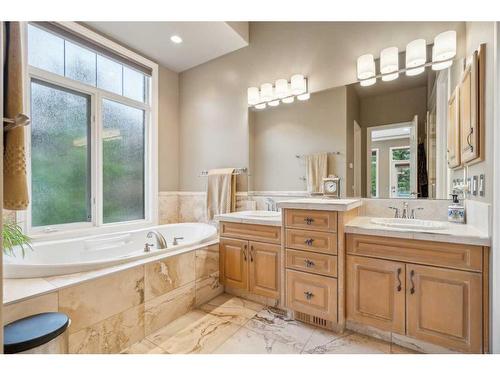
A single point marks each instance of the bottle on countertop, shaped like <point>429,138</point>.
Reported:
<point>456,211</point>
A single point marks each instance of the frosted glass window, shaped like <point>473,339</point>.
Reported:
<point>80,64</point>
<point>123,162</point>
<point>133,84</point>
<point>109,75</point>
<point>45,50</point>
<point>60,154</point>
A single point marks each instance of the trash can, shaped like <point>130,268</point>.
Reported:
<point>45,333</point>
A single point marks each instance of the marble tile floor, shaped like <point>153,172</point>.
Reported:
<point>232,325</point>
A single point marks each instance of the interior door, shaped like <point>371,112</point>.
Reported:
<point>235,262</point>
<point>444,307</point>
<point>376,293</point>
<point>264,269</point>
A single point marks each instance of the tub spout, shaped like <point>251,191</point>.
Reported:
<point>161,243</point>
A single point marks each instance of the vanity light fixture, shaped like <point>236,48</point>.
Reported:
<point>416,56</point>
<point>389,63</point>
<point>443,52</point>
<point>176,39</point>
<point>283,91</point>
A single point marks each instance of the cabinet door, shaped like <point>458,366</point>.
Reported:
<point>376,293</point>
<point>264,269</point>
<point>235,256</point>
<point>444,307</point>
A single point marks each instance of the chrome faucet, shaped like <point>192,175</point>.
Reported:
<point>175,243</point>
<point>404,212</point>
<point>161,243</point>
<point>271,204</point>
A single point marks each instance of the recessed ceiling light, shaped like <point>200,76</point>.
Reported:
<point>176,39</point>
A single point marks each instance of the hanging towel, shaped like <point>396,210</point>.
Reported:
<point>221,192</point>
<point>316,170</point>
<point>15,187</point>
<point>423,183</point>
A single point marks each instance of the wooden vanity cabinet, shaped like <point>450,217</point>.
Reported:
<point>411,294</point>
<point>247,261</point>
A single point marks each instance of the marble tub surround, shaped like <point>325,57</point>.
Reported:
<point>243,217</point>
<point>231,325</point>
<point>454,233</point>
<point>113,311</point>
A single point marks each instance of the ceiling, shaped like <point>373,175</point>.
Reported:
<point>202,41</point>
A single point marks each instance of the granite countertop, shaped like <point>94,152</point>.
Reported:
<point>323,203</point>
<point>251,217</point>
<point>454,233</point>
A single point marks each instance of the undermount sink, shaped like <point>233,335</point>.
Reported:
<point>410,223</point>
<point>264,214</point>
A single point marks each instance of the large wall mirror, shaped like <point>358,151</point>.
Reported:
<point>388,140</point>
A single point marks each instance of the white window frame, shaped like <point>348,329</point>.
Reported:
<point>96,226</point>
<point>393,163</point>
<point>377,179</point>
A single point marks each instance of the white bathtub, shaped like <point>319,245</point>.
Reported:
<point>51,258</point>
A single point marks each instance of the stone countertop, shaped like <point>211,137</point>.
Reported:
<point>244,218</point>
<point>322,203</point>
<point>454,233</point>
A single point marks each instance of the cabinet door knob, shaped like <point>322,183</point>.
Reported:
<point>308,295</point>
<point>309,220</point>
<point>412,290</point>
<point>309,241</point>
<point>309,263</point>
<point>399,280</point>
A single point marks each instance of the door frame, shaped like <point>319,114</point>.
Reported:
<point>357,159</point>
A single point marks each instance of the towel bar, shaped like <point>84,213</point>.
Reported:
<point>237,171</point>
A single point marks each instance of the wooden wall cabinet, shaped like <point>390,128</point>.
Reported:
<point>251,265</point>
<point>453,131</point>
<point>444,303</point>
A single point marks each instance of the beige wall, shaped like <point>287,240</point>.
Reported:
<point>384,163</point>
<point>278,134</point>
<point>352,114</point>
<point>168,130</point>
<point>213,103</point>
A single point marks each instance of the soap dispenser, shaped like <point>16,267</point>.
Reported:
<point>456,211</point>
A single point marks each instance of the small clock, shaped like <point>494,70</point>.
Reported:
<point>331,186</point>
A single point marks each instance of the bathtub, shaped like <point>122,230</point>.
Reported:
<point>52,258</point>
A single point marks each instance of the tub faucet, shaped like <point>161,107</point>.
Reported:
<point>175,243</point>
<point>161,243</point>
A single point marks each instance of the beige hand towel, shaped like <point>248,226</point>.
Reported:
<point>316,170</point>
<point>15,187</point>
<point>221,192</point>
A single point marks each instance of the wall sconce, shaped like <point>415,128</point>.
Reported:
<point>283,91</point>
<point>443,52</point>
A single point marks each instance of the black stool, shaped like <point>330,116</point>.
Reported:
<point>40,333</point>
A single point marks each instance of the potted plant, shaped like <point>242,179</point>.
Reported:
<point>12,235</point>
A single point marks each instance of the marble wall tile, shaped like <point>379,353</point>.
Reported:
<point>207,261</point>
<point>208,288</point>
<point>168,208</point>
<point>165,309</point>
<point>192,208</point>
<point>112,335</point>
<point>93,301</point>
<point>165,275</point>
<point>36,305</point>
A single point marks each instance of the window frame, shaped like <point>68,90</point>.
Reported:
<point>393,163</point>
<point>377,177</point>
<point>97,96</point>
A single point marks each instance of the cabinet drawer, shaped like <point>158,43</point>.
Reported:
<point>311,262</point>
<point>264,233</point>
<point>321,242</point>
<point>308,219</point>
<point>312,294</point>
<point>466,257</point>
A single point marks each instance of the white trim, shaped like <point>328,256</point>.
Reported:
<point>495,180</point>
<point>377,180</point>
<point>97,95</point>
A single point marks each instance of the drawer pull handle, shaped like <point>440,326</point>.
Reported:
<point>308,295</point>
<point>309,241</point>
<point>245,252</point>
<point>309,220</point>
<point>412,290</point>
<point>399,280</point>
<point>251,253</point>
<point>309,263</point>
